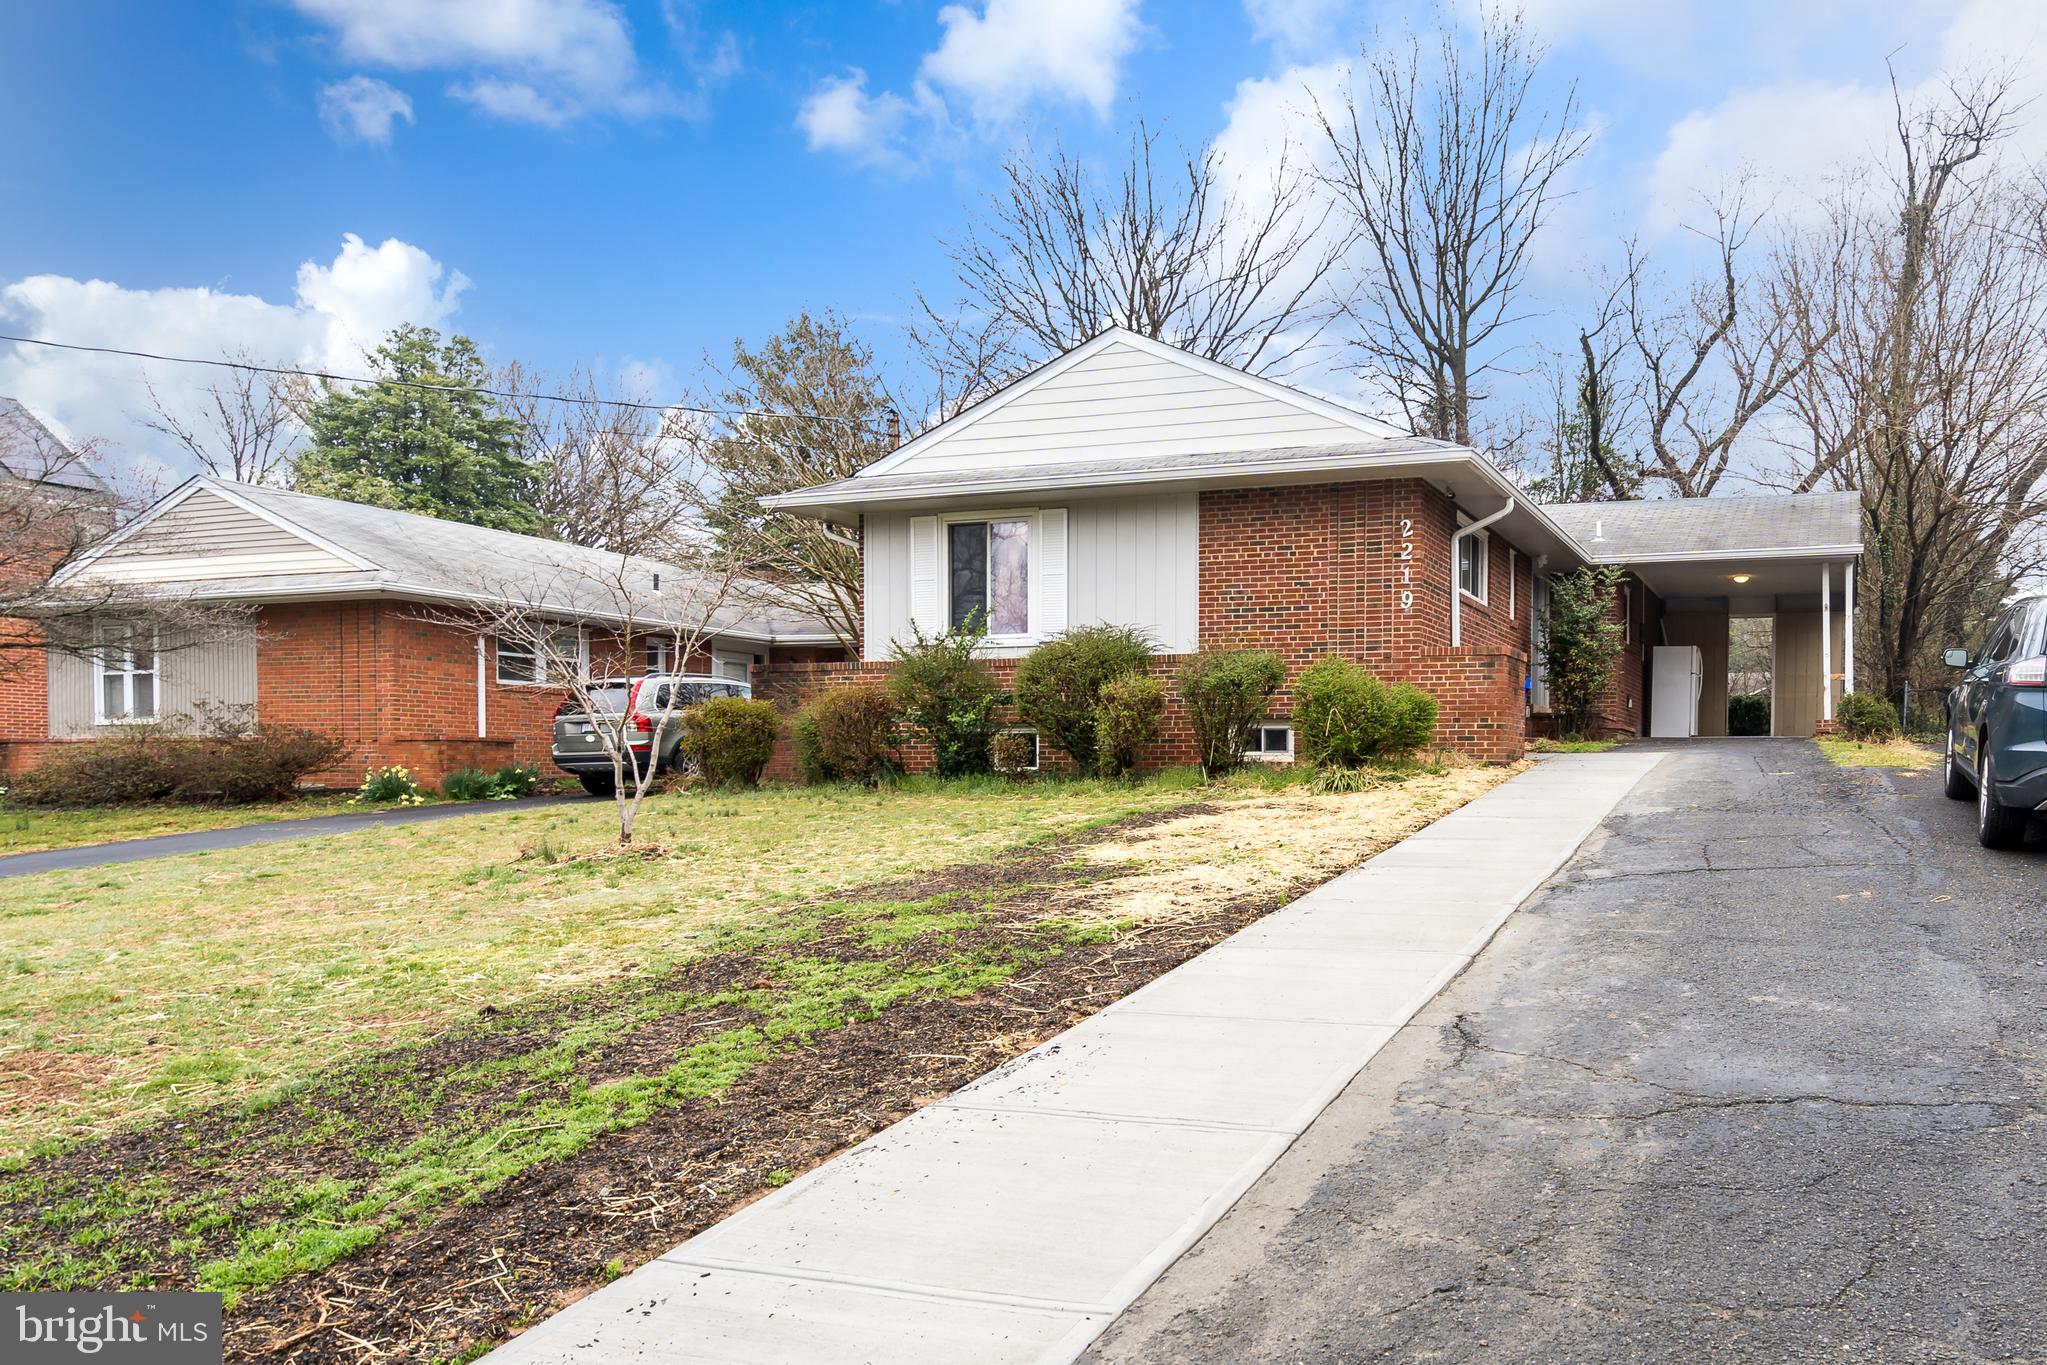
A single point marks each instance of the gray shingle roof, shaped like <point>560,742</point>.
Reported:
<point>408,551</point>
<point>1642,532</point>
<point>31,451</point>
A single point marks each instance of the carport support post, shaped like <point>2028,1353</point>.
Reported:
<point>1826,642</point>
<point>1848,625</point>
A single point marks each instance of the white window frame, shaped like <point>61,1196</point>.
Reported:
<point>654,654</point>
<point>1482,554</point>
<point>1272,755</point>
<point>101,648</point>
<point>1037,749</point>
<point>720,658</point>
<point>1033,542</point>
<point>542,676</point>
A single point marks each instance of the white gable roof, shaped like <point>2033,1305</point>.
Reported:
<point>1123,395</point>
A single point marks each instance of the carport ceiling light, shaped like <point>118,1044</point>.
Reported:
<point>1740,577</point>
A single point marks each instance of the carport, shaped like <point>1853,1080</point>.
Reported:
<point>1709,561</point>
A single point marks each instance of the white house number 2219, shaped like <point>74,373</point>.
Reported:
<point>1406,563</point>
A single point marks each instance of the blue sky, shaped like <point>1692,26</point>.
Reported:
<point>633,185</point>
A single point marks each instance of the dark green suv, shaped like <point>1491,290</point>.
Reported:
<point>1997,724</point>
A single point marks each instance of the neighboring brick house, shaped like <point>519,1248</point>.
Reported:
<point>1133,483</point>
<point>361,623</point>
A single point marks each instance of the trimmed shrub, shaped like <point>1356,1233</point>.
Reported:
<point>1128,713</point>
<point>948,696</point>
<point>1866,717</point>
<point>1748,713</point>
<point>1059,684</point>
<point>1226,692</point>
<point>857,731</point>
<point>156,762</point>
<point>1343,716</point>
<point>731,739</point>
<point>811,769</point>
<point>1015,752</point>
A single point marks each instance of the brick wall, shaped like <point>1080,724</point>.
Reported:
<point>1358,570</point>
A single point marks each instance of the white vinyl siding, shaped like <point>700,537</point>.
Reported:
<point>1128,561</point>
<point>217,673</point>
<point>208,537</point>
<point>1121,402</point>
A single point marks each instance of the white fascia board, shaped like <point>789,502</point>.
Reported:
<point>1816,552</point>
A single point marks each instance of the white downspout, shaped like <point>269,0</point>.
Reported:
<point>1456,589</point>
<point>482,698</point>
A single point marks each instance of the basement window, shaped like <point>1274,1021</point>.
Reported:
<point>1270,744</point>
<point>1037,750</point>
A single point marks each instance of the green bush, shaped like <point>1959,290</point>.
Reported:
<point>1582,634</point>
<point>1226,692</point>
<point>1015,752</point>
<point>811,769</point>
<point>948,696</point>
<point>236,764</point>
<point>468,784</point>
<point>1866,717</point>
<point>1128,713</point>
<point>508,783</point>
<point>1343,716</point>
<point>389,786</point>
<point>856,731</point>
<point>731,739</point>
<point>1059,684</point>
<point>1748,713</point>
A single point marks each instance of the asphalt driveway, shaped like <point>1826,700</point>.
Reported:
<point>1759,1076</point>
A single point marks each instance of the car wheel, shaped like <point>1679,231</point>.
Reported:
<point>1997,825</point>
<point>598,784</point>
<point>1958,786</point>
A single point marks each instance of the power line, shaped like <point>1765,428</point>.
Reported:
<point>440,388</point>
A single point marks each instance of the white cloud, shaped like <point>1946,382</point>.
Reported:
<point>340,310</point>
<point>991,64</point>
<point>363,109</point>
<point>546,62</point>
<point>1801,138</point>
<point>1299,26</point>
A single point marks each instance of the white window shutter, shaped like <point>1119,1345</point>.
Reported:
<point>927,603</point>
<point>1051,609</point>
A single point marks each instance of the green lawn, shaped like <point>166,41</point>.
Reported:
<point>131,991</point>
<point>33,831</point>
<point>1897,753</point>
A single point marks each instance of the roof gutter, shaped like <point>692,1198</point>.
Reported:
<point>1456,588</point>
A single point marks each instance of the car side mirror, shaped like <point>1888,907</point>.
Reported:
<point>1956,658</point>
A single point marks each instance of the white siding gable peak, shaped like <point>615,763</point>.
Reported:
<point>1122,395</point>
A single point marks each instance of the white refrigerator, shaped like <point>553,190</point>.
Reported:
<point>1676,675</point>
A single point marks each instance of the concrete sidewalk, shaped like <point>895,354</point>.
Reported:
<point>263,832</point>
<point>1014,1220</point>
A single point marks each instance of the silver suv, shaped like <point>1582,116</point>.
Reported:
<point>645,710</point>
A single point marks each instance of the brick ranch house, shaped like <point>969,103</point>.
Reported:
<point>354,628</point>
<point>1133,483</point>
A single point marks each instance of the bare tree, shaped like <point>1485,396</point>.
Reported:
<point>816,409</point>
<point>615,479</point>
<point>1932,397</point>
<point>1448,172</point>
<point>630,604</point>
<point>247,428</point>
<point>1173,249</point>
<point>55,509</point>
<point>1724,350</point>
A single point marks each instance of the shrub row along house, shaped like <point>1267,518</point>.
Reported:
<point>1126,482</point>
